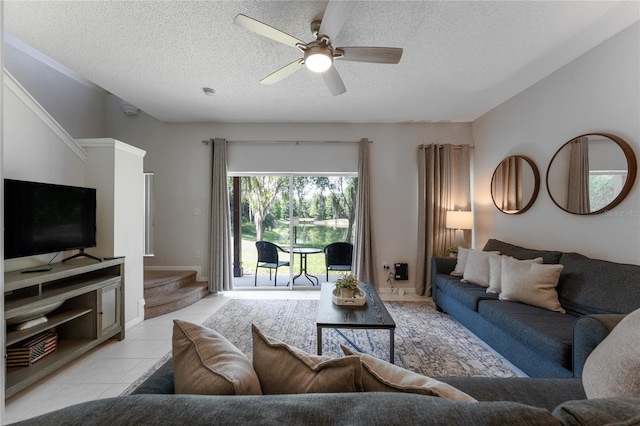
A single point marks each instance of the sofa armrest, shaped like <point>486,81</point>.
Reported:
<point>159,382</point>
<point>588,332</point>
<point>443,265</point>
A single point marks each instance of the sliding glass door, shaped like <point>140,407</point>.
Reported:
<point>300,215</point>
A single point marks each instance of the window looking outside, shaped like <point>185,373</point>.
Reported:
<point>604,186</point>
<point>293,211</point>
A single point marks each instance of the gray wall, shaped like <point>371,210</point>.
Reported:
<point>180,162</point>
<point>597,92</point>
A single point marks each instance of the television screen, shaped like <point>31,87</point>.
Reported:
<point>46,218</point>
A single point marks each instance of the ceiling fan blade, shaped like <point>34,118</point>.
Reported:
<point>334,17</point>
<point>379,55</point>
<point>266,30</point>
<point>333,81</point>
<point>283,72</point>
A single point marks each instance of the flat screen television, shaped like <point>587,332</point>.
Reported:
<point>46,218</point>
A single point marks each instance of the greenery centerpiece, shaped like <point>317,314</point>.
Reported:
<point>347,285</point>
<point>452,251</point>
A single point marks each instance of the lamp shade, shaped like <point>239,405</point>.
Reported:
<point>459,219</point>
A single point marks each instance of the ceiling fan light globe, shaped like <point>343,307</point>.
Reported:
<point>318,58</point>
<point>318,62</point>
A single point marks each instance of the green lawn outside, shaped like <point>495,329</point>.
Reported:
<point>279,233</point>
<point>315,262</point>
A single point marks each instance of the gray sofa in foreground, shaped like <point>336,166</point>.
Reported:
<point>595,294</point>
<point>501,401</point>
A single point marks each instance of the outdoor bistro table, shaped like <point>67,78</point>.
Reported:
<point>303,252</point>
<point>373,315</point>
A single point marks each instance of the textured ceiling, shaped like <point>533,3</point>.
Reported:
<point>461,59</point>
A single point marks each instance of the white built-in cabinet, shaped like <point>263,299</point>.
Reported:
<point>116,170</point>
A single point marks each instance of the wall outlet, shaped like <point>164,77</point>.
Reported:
<point>385,265</point>
<point>196,254</point>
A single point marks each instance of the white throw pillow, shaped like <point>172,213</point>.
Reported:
<point>462,260</point>
<point>495,272</point>
<point>613,368</point>
<point>531,283</point>
<point>476,270</point>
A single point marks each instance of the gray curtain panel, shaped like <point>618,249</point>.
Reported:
<point>507,184</point>
<point>443,184</point>
<point>578,191</point>
<point>363,248</point>
<point>220,262</point>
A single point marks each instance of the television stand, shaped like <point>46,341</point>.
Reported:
<point>82,254</point>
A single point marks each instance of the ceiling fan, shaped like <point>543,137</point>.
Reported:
<point>319,54</point>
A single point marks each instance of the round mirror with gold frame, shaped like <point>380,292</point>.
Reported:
<point>591,173</point>
<point>515,184</point>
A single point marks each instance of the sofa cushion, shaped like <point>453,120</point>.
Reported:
<point>607,411</point>
<point>495,272</point>
<point>467,294</point>
<point>476,270</point>
<point>284,369</point>
<point>592,286</point>
<point>382,376</point>
<point>535,391</point>
<point>549,332</point>
<point>548,256</point>
<point>206,363</point>
<point>613,368</point>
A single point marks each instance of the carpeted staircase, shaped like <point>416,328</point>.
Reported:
<point>168,291</point>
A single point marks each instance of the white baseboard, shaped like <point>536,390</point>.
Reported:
<point>401,294</point>
<point>133,322</point>
<point>137,320</point>
<point>198,270</point>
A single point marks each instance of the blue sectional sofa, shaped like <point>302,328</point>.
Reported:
<point>595,294</point>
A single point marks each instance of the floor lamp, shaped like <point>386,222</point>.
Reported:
<point>459,221</point>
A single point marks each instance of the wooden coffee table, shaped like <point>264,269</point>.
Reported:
<point>373,315</point>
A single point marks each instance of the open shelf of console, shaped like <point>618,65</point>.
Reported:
<point>83,302</point>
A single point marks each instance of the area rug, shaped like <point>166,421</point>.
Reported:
<point>426,341</point>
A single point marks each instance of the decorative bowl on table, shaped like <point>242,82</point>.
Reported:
<point>358,299</point>
<point>346,291</point>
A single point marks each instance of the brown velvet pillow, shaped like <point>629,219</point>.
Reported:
<point>382,376</point>
<point>206,363</point>
<point>284,369</point>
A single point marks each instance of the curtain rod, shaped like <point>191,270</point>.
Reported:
<point>423,146</point>
<point>206,142</point>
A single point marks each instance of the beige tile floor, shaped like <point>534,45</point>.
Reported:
<point>110,368</point>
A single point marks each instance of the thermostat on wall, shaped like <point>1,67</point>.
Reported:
<point>401,271</point>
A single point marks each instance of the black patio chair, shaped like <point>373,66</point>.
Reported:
<point>268,258</point>
<point>338,257</point>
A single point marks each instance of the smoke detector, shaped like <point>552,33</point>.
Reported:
<point>129,109</point>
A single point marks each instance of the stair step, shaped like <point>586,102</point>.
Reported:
<point>157,283</point>
<point>178,299</point>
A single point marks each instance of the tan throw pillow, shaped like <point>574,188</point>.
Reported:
<point>284,369</point>
<point>613,368</point>
<point>206,363</point>
<point>476,270</point>
<point>382,376</point>
<point>460,263</point>
<point>531,283</point>
<point>495,272</point>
